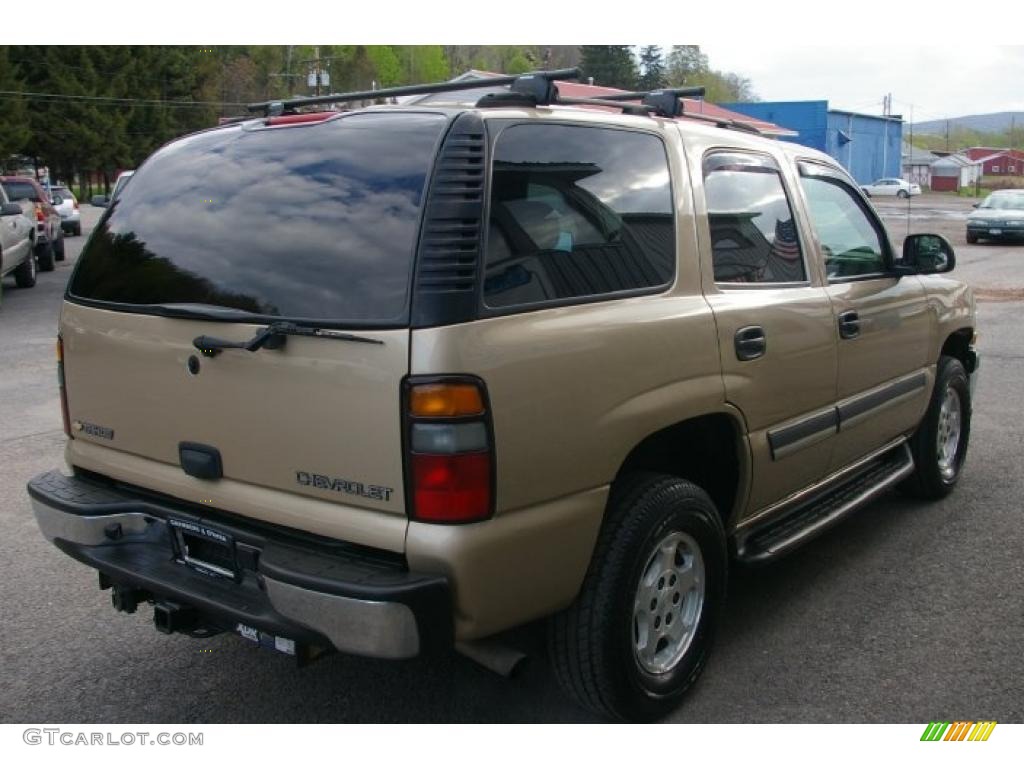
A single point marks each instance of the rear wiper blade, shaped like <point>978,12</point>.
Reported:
<point>273,337</point>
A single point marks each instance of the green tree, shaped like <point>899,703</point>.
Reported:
<point>14,127</point>
<point>610,65</point>
<point>685,62</point>
<point>652,65</point>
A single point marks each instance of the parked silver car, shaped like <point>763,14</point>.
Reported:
<point>66,204</point>
<point>16,243</point>
<point>999,216</point>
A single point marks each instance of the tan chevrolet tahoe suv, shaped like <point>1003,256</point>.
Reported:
<point>401,378</point>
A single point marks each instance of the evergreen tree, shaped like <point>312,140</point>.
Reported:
<point>14,128</point>
<point>652,65</point>
<point>610,65</point>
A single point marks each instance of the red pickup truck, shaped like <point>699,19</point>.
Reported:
<point>48,240</point>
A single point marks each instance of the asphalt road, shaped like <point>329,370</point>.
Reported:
<point>908,612</point>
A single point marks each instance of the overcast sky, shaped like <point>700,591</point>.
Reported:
<point>937,82</point>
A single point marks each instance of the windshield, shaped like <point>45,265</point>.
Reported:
<point>1004,202</point>
<point>315,222</point>
<point>21,190</point>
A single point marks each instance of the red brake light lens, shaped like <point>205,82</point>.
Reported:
<point>451,489</point>
<point>63,389</point>
<point>40,216</point>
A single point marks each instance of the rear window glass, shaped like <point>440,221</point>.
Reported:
<point>310,222</point>
<point>21,190</point>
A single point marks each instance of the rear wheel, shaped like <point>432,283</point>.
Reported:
<point>58,248</point>
<point>639,634</point>
<point>940,444</point>
<point>25,275</point>
<point>78,229</point>
<point>46,254</point>
<point>903,194</point>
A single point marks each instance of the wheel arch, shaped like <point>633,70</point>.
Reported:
<point>709,450</point>
<point>958,344</point>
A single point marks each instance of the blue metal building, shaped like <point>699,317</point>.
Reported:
<point>868,146</point>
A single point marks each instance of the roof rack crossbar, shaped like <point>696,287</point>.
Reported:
<point>528,80</point>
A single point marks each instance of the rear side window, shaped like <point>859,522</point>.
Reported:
<point>753,234</point>
<point>577,212</point>
<point>311,222</point>
<point>21,190</point>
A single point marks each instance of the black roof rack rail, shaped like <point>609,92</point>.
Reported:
<point>538,86</point>
<point>667,102</point>
<point>633,109</point>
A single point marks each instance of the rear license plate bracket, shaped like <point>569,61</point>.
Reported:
<point>204,549</point>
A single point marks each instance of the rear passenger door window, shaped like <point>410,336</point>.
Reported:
<point>577,213</point>
<point>851,243</point>
<point>753,235</point>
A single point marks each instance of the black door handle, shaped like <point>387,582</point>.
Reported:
<point>750,343</point>
<point>849,324</point>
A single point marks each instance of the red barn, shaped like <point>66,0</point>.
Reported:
<point>998,162</point>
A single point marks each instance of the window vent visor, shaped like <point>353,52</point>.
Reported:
<point>448,261</point>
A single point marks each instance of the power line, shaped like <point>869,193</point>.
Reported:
<point>117,100</point>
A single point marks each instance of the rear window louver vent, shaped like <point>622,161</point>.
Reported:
<point>448,263</point>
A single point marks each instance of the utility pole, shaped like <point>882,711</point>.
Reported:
<point>316,55</point>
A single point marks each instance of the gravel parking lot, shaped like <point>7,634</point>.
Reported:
<point>909,612</point>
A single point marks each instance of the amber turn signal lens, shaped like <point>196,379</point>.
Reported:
<point>445,400</point>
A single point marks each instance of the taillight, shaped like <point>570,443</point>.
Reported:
<point>450,450</point>
<point>75,203</point>
<point>40,216</point>
<point>62,387</point>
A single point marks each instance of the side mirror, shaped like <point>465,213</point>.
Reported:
<point>10,209</point>
<point>100,201</point>
<point>928,254</point>
<point>976,205</point>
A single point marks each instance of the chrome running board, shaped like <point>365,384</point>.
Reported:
<point>808,518</point>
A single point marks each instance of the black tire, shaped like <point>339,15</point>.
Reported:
<point>45,254</point>
<point>25,275</point>
<point>972,238</point>
<point>78,229</point>
<point>593,643</point>
<point>933,476</point>
<point>58,248</point>
<point>902,194</point>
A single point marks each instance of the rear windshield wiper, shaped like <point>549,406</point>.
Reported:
<point>274,337</point>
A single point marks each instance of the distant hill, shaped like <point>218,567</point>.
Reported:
<point>994,122</point>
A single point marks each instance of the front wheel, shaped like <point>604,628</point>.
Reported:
<point>58,248</point>
<point>940,444</point>
<point>972,238</point>
<point>25,275</point>
<point>639,633</point>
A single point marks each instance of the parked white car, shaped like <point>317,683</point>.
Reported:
<point>891,188</point>
<point>67,206</point>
